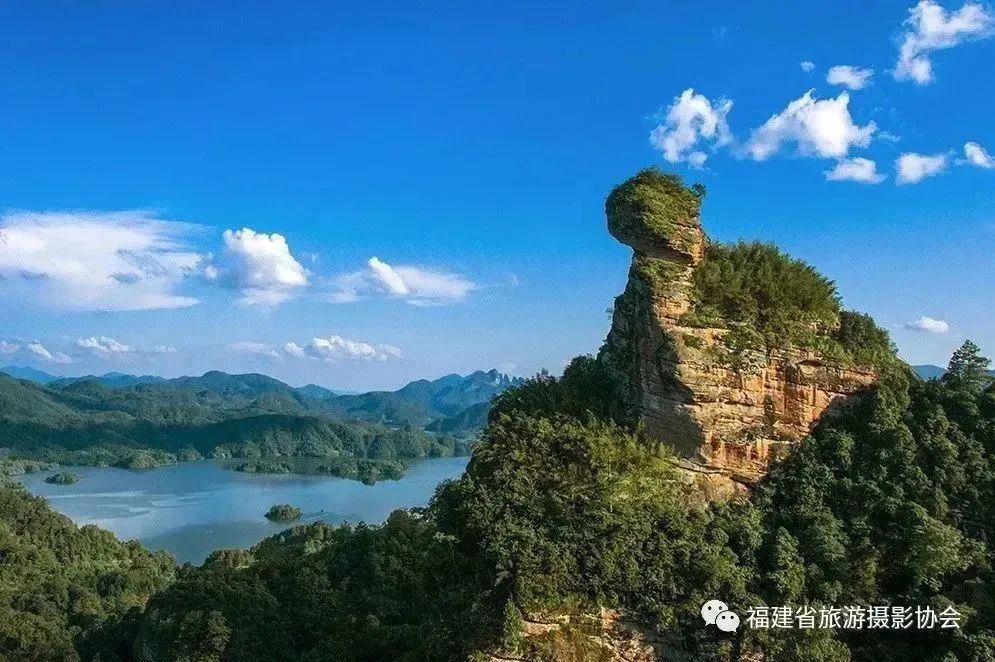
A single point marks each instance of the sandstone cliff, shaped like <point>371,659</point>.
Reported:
<point>726,408</point>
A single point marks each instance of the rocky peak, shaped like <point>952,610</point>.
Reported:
<point>726,408</point>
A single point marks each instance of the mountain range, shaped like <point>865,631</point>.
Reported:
<point>421,403</point>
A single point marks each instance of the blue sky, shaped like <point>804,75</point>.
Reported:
<point>467,147</point>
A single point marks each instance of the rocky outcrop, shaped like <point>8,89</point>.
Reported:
<point>725,409</point>
<point>598,636</point>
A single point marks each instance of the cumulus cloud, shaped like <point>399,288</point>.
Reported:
<point>107,261</point>
<point>818,127</point>
<point>334,348</point>
<point>103,346</point>
<point>856,169</point>
<point>418,286</point>
<point>692,119</point>
<point>927,325</point>
<point>929,28</point>
<point>913,168</point>
<point>40,351</point>
<point>295,350</point>
<point>329,350</point>
<point>807,66</point>
<point>9,347</point>
<point>258,265</point>
<point>976,155</point>
<point>855,78</point>
<point>107,347</point>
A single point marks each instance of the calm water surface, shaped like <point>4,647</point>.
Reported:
<point>193,508</point>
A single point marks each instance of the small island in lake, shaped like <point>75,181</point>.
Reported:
<point>62,478</point>
<point>283,512</point>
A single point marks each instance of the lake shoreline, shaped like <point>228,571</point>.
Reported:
<point>192,508</point>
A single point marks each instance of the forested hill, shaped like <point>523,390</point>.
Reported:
<point>141,422</point>
<point>65,592</point>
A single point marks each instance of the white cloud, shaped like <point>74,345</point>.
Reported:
<point>418,286</point>
<point>103,346</point>
<point>807,66</point>
<point>330,349</point>
<point>163,349</point>
<point>930,27</point>
<point>38,349</point>
<point>927,325</point>
<point>819,128</point>
<point>106,261</point>
<point>913,168</point>
<point>388,277</point>
<point>691,119</point>
<point>255,348</point>
<point>107,347</point>
<point>295,350</point>
<point>976,155</point>
<point>334,348</point>
<point>9,347</point>
<point>855,78</point>
<point>260,266</point>
<point>856,169</point>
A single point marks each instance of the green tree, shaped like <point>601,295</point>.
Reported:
<point>968,367</point>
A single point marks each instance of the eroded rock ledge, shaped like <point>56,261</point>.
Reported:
<point>725,409</point>
<point>602,636</point>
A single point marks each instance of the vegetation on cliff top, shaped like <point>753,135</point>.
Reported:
<point>772,301</point>
<point>768,300</point>
<point>654,208</point>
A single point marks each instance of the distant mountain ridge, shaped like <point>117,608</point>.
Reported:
<point>455,404</point>
<point>423,402</point>
<point>32,375</point>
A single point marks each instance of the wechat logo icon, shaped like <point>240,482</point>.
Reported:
<point>716,612</point>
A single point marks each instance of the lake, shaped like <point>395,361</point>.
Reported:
<point>191,509</point>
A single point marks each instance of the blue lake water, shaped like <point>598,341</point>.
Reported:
<point>191,509</point>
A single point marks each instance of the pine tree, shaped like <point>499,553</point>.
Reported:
<point>969,367</point>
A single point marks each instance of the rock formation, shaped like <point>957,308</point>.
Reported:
<point>725,410</point>
<point>606,635</point>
